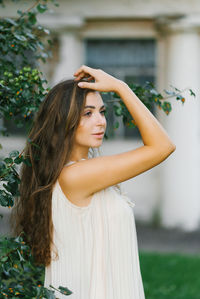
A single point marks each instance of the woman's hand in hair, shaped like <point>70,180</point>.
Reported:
<point>102,80</point>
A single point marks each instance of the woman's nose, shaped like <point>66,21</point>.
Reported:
<point>101,119</point>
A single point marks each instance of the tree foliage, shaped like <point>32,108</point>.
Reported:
<point>22,89</point>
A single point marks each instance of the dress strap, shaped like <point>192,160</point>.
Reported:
<point>71,162</point>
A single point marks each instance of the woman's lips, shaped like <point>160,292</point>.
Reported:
<point>98,135</point>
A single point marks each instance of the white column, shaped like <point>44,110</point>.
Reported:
<point>70,56</point>
<point>71,47</point>
<point>180,176</point>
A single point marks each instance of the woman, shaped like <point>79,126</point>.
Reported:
<point>77,223</point>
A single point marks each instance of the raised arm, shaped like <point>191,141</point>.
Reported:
<point>89,176</point>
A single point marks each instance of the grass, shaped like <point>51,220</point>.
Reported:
<point>170,276</point>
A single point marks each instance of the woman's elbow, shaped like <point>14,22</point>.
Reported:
<point>166,151</point>
<point>169,149</point>
<point>172,147</point>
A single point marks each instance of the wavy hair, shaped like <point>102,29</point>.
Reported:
<point>48,149</point>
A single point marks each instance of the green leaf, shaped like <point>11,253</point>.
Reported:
<point>21,13</point>
<point>118,111</point>
<point>4,259</point>
<point>179,97</point>
<point>55,2</point>
<point>175,88</point>
<point>13,154</point>
<point>11,21</point>
<point>8,160</point>
<point>65,291</point>
<point>169,92</point>
<point>49,294</point>
<point>153,91</point>
<point>18,160</point>
<point>32,18</point>
<point>192,93</point>
<point>50,42</point>
<point>30,35</point>
<point>20,37</point>
<point>116,125</point>
<point>46,31</point>
<point>41,8</point>
<point>3,200</point>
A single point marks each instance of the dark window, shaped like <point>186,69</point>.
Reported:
<point>131,60</point>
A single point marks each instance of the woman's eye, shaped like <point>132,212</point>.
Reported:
<point>88,113</point>
<point>104,111</point>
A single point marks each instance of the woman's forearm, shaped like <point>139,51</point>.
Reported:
<point>152,133</point>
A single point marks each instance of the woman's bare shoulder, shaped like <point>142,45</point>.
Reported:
<point>89,176</point>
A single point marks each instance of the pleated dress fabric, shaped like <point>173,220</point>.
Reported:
<point>97,247</point>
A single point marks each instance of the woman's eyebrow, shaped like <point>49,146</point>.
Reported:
<point>93,107</point>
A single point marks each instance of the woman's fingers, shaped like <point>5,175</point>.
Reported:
<point>80,70</point>
<point>80,75</point>
<point>88,73</point>
<point>85,69</point>
<point>89,78</point>
<point>87,85</point>
<point>102,80</point>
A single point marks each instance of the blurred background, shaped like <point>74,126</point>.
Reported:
<point>136,41</point>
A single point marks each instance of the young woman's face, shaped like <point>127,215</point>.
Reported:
<point>92,121</point>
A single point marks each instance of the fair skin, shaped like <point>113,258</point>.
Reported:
<point>79,181</point>
<point>92,121</point>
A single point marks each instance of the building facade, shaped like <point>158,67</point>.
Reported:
<point>139,41</point>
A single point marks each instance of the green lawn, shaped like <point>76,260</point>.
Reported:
<point>170,276</point>
<point>167,276</point>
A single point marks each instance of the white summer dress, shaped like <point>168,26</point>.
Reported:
<point>97,247</point>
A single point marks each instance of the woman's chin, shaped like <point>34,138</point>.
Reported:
<point>97,144</point>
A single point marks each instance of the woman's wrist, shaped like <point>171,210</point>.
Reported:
<point>120,86</point>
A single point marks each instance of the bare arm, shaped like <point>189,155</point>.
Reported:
<point>152,133</point>
<point>84,178</point>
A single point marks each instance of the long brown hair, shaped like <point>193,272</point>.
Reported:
<point>48,149</point>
